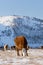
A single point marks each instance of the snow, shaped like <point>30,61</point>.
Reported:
<point>8,57</point>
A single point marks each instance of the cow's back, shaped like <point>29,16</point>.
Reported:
<point>20,42</point>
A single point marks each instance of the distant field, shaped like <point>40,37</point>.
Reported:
<point>8,57</point>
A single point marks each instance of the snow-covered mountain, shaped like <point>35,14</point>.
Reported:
<point>12,26</point>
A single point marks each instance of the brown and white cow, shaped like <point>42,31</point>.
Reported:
<point>21,44</point>
<point>13,47</point>
<point>5,47</point>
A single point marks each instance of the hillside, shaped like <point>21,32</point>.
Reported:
<point>12,26</point>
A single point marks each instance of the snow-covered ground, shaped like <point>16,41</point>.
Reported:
<point>35,57</point>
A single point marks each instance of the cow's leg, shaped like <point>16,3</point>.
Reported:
<point>17,52</point>
<point>21,53</point>
<point>24,52</point>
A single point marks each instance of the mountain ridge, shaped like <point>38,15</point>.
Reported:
<point>12,26</point>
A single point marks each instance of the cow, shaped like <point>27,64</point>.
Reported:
<point>12,47</point>
<point>5,47</point>
<point>21,44</point>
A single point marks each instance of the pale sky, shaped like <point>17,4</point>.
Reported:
<point>32,8</point>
